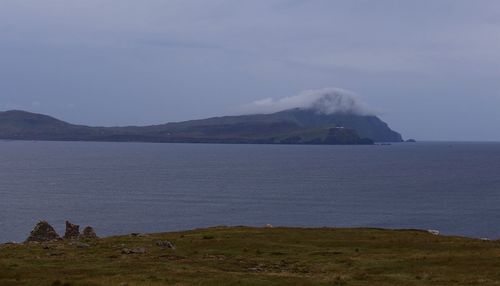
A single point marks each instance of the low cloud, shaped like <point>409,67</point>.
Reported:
<point>326,101</point>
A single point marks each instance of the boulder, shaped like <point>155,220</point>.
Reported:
<point>433,231</point>
<point>79,244</point>
<point>139,250</point>
<point>43,231</point>
<point>72,231</point>
<point>165,244</point>
<point>89,233</point>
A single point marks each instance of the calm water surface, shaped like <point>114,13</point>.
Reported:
<point>133,187</point>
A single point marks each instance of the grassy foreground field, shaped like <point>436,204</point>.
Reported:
<point>257,256</point>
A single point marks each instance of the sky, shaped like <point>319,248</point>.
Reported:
<point>430,68</point>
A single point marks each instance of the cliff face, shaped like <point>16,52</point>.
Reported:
<point>366,126</point>
<point>296,126</point>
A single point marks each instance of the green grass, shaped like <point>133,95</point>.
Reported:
<point>259,256</point>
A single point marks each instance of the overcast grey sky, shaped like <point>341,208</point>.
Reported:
<point>430,67</point>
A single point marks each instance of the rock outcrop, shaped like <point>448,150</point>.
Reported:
<point>72,231</point>
<point>43,232</point>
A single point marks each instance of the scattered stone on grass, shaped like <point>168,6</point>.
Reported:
<point>257,268</point>
<point>79,244</point>
<point>8,243</point>
<point>139,250</point>
<point>433,231</point>
<point>214,257</point>
<point>165,244</point>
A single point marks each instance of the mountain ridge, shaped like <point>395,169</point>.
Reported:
<point>293,126</point>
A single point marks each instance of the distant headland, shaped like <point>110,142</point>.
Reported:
<point>293,126</point>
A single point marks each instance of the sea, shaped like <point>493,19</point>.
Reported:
<point>120,188</point>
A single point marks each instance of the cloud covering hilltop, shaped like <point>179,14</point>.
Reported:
<point>326,101</point>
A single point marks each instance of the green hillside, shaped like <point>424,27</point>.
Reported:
<point>256,256</point>
<point>295,126</point>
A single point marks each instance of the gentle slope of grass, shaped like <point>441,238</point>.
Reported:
<point>258,256</point>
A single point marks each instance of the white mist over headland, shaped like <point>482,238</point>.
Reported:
<point>326,101</point>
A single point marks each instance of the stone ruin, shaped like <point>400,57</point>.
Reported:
<point>72,231</point>
<point>44,232</point>
<point>88,233</point>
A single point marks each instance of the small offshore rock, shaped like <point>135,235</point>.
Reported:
<point>72,231</point>
<point>89,233</point>
<point>269,225</point>
<point>165,244</point>
<point>135,234</point>
<point>43,232</point>
<point>140,250</point>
